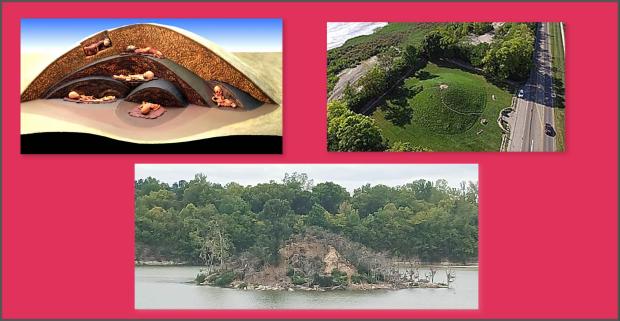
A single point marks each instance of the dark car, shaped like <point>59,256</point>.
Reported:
<point>549,130</point>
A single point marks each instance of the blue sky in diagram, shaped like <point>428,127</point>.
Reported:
<point>236,35</point>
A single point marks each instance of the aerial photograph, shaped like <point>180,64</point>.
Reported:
<point>306,236</point>
<point>151,85</point>
<point>462,86</point>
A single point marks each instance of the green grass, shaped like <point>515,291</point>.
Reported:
<point>403,34</point>
<point>451,110</point>
<point>557,52</point>
<point>435,127</point>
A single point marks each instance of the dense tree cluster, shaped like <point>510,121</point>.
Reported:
<point>393,66</point>
<point>348,131</point>
<point>509,56</point>
<point>394,36</point>
<point>200,221</point>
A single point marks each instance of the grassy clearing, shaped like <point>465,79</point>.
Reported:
<point>557,52</point>
<point>435,127</point>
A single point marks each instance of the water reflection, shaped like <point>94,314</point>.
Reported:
<point>171,288</point>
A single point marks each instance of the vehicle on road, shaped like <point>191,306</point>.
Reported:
<point>520,95</point>
<point>549,130</point>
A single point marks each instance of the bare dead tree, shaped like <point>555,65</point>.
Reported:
<point>432,274</point>
<point>450,276</point>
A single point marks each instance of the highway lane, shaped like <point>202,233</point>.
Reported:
<point>534,110</point>
<point>547,82</point>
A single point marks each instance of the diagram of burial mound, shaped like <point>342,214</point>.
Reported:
<point>153,84</point>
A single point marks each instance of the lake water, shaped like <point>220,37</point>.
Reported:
<point>167,287</point>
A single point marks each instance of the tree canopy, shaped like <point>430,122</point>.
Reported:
<point>200,221</point>
<point>348,131</point>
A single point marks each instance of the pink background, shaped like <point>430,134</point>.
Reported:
<point>547,220</point>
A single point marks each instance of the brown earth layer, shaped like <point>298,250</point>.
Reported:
<point>174,45</point>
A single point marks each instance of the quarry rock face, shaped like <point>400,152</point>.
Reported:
<point>312,255</point>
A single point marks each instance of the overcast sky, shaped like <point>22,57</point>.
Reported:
<point>349,176</point>
<point>339,32</point>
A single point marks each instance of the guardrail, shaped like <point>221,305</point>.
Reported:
<point>505,128</point>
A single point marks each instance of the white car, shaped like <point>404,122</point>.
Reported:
<point>520,95</point>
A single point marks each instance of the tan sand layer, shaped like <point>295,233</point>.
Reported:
<point>267,65</point>
<point>176,125</point>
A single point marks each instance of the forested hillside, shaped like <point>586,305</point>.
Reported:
<point>188,221</point>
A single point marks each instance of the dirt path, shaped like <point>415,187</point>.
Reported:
<point>351,75</point>
<point>484,38</point>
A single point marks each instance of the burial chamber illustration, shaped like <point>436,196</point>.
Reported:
<point>154,84</point>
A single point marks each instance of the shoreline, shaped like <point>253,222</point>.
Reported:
<point>160,263</point>
<point>240,285</point>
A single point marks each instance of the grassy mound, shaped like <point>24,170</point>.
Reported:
<point>438,128</point>
<point>450,110</point>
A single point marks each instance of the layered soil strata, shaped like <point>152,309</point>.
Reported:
<point>200,56</point>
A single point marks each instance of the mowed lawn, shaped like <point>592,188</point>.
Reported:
<point>424,131</point>
<point>557,53</point>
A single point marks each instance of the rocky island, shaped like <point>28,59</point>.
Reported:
<point>311,262</point>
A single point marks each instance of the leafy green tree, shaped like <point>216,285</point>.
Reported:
<point>199,191</point>
<point>368,199</point>
<point>298,181</point>
<point>178,188</point>
<point>422,189</point>
<point>511,56</point>
<point>330,195</point>
<point>431,45</point>
<point>230,204</point>
<point>359,133</point>
<point>158,198</point>
<point>477,54</point>
<point>301,187</point>
<point>373,84</point>
<point>412,56</point>
<point>277,215</point>
<point>145,186</point>
<point>337,111</point>
<point>481,28</point>
<point>317,216</point>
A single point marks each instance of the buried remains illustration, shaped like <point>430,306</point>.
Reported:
<point>154,84</point>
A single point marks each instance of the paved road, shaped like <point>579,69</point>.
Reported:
<point>351,75</point>
<point>535,109</point>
